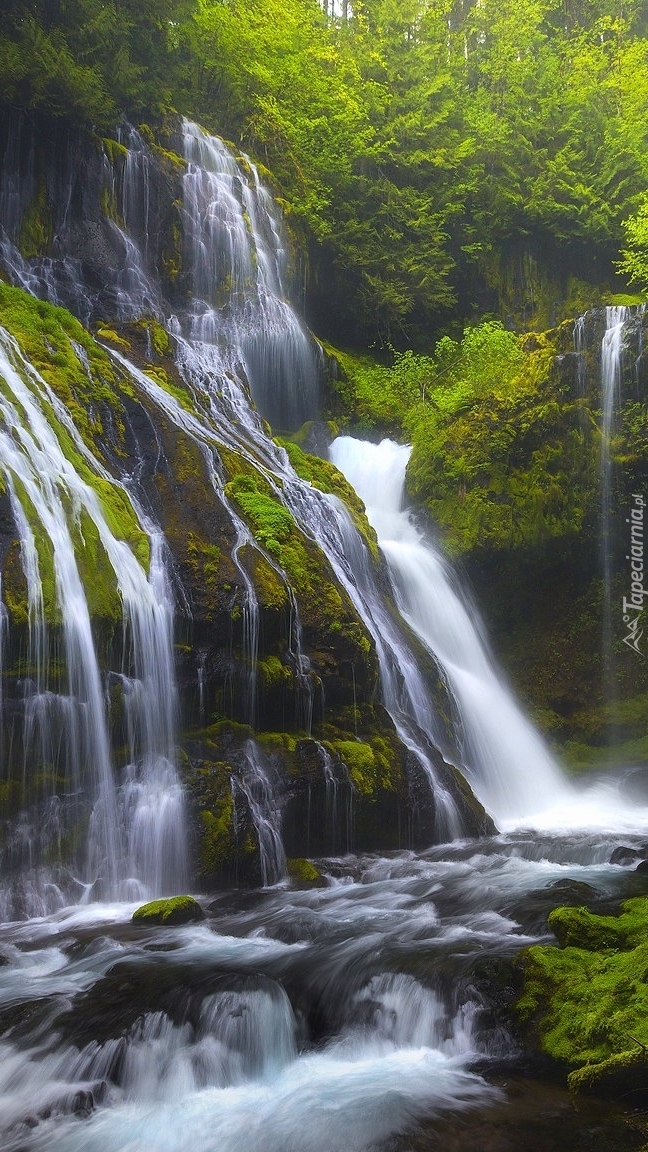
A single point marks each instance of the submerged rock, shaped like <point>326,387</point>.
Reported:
<point>174,910</point>
<point>624,855</point>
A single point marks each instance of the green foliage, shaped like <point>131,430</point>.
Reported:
<point>500,456</point>
<point>258,60</point>
<point>634,257</point>
<point>412,145</point>
<point>91,61</point>
<point>416,388</point>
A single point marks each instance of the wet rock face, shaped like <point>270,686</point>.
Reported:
<point>63,208</point>
<point>338,776</point>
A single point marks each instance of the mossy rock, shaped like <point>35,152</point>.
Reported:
<point>304,874</point>
<point>586,1007</point>
<point>322,474</point>
<point>579,928</point>
<point>174,910</point>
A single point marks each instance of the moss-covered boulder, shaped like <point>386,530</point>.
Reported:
<point>173,910</point>
<point>585,1005</point>
<point>304,874</point>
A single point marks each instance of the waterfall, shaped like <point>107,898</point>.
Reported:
<point>611,377</point>
<point>236,256</point>
<point>244,355</point>
<point>134,830</point>
<point>504,758</point>
<point>256,782</point>
<point>326,520</point>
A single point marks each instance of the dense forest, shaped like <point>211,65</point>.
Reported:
<point>430,155</point>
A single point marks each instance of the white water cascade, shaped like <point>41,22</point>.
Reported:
<point>134,841</point>
<point>503,756</point>
<point>236,256</point>
<point>611,375</point>
<point>326,520</point>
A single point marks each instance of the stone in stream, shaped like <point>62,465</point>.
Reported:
<point>174,910</point>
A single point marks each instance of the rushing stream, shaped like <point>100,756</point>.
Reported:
<point>353,1017</point>
<point>332,1020</point>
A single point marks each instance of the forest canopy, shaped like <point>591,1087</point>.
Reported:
<point>412,142</point>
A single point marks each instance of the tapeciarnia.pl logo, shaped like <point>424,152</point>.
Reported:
<point>633,606</point>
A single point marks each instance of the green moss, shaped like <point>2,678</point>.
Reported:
<point>204,563</point>
<point>159,338</point>
<point>270,588</point>
<point>272,672</point>
<point>106,333</point>
<point>47,335</point>
<point>171,258</point>
<point>325,609</point>
<point>217,841</point>
<point>96,572</point>
<point>221,728</point>
<point>626,299</point>
<point>580,757</point>
<point>587,1003</point>
<point>174,910</point>
<point>14,586</point>
<point>325,476</point>
<point>84,382</point>
<point>169,159</point>
<point>369,765</point>
<point>175,388</point>
<point>113,149</point>
<point>283,742</point>
<point>273,524</point>
<point>304,873</point>
<point>275,529</point>
<point>577,927</point>
<point>36,227</point>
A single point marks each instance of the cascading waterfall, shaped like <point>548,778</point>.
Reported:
<point>326,520</point>
<point>238,335</point>
<point>136,831</point>
<point>611,375</point>
<point>506,761</point>
<point>236,255</point>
